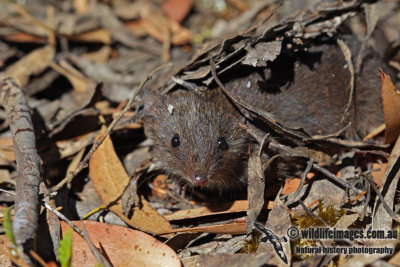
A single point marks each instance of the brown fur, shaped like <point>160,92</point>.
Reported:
<point>308,89</point>
<point>200,121</point>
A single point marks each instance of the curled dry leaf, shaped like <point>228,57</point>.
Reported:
<point>377,172</point>
<point>123,246</point>
<point>255,190</point>
<point>79,82</point>
<point>236,227</point>
<point>22,37</point>
<point>160,27</point>
<point>224,208</point>
<point>94,36</point>
<point>33,63</point>
<point>110,179</point>
<point>391,108</point>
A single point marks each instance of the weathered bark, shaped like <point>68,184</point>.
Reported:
<point>27,190</point>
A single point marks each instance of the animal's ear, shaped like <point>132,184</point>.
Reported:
<point>154,103</point>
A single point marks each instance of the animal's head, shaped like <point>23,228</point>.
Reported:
<point>197,139</point>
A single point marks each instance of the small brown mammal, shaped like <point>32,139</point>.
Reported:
<point>198,138</point>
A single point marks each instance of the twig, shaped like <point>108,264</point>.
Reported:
<point>264,140</point>
<point>187,85</point>
<point>364,211</point>
<point>238,102</point>
<point>62,217</point>
<point>27,189</point>
<point>83,164</point>
<point>8,192</point>
<point>303,178</point>
<point>82,233</point>
<point>334,178</point>
<point>347,55</point>
<point>382,199</point>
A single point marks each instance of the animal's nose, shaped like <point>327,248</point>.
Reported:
<point>200,179</point>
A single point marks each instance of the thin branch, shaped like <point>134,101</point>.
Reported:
<point>62,217</point>
<point>334,178</point>
<point>303,178</point>
<point>27,189</point>
<point>382,199</point>
<point>347,55</point>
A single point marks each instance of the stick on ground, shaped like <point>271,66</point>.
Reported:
<point>27,190</point>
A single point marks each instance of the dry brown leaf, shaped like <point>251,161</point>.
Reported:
<point>110,179</point>
<point>382,219</point>
<point>5,251</point>
<point>33,63</point>
<point>22,37</point>
<point>278,223</point>
<point>391,108</point>
<point>395,259</point>
<point>377,131</point>
<point>7,149</point>
<point>262,53</point>
<point>177,10</point>
<point>73,165</point>
<point>81,6</point>
<point>224,208</point>
<point>226,259</point>
<point>123,246</point>
<point>237,227</point>
<point>255,190</point>
<point>99,56</point>
<point>160,27</point>
<point>95,36</point>
<point>78,81</point>
<point>377,172</point>
<point>66,148</point>
<point>292,184</point>
<point>136,28</point>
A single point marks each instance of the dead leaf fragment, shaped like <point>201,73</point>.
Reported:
<point>110,179</point>
<point>7,149</point>
<point>23,37</point>
<point>263,52</point>
<point>224,208</point>
<point>237,227</point>
<point>381,218</point>
<point>255,190</point>
<point>122,245</point>
<point>98,35</point>
<point>278,222</point>
<point>33,63</point>
<point>177,10</point>
<point>225,259</point>
<point>391,108</point>
<point>161,27</point>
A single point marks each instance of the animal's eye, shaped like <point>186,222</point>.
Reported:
<point>175,141</point>
<point>222,144</point>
